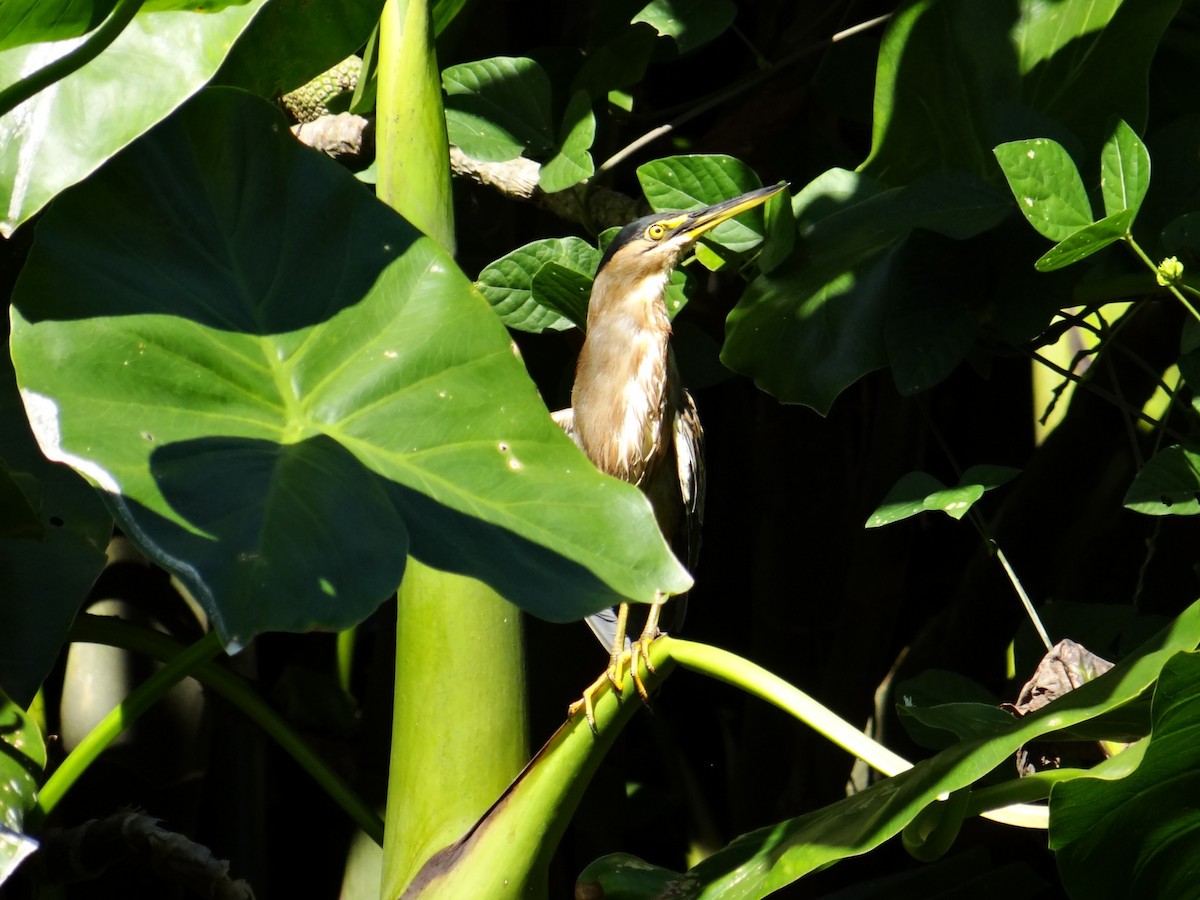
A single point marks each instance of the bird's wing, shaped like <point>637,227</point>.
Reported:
<point>689,456</point>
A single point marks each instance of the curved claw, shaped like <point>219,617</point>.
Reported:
<point>638,653</point>
<point>587,702</point>
<point>641,649</point>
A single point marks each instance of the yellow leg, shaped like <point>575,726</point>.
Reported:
<point>615,673</point>
<point>587,701</point>
<point>616,656</point>
<point>640,651</point>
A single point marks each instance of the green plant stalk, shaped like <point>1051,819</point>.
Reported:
<point>459,734</point>
<point>114,632</point>
<point>345,657</point>
<point>757,681</point>
<point>107,32</point>
<point>1034,618</point>
<point>412,152</point>
<point>507,853</point>
<point>110,727</point>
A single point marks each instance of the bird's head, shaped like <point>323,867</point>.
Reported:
<point>653,244</point>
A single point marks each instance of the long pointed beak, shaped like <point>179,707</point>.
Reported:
<point>696,222</point>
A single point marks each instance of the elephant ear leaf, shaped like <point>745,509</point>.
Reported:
<point>279,411</point>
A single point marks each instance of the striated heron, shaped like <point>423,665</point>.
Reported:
<point>630,413</point>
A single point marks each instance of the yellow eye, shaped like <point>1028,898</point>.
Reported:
<point>656,231</point>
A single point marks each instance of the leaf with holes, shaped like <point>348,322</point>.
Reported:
<point>1168,485</point>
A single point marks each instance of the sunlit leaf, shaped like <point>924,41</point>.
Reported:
<point>690,182</point>
<point>919,492</point>
<point>1139,836</point>
<point>1124,171</point>
<point>690,23</point>
<point>498,108</point>
<point>68,130</point>
<point>507,283</point>
<point>1086,241</point>
<point>1047,186</point>
<point>571,163</point>
<point>280,421</point>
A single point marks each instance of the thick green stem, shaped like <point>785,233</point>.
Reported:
<point>412,153</point>
<point>459,734</point>
<point>507,853</point>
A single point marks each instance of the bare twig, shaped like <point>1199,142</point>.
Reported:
<point>728,94</point>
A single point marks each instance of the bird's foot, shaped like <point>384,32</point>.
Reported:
<point>639,652</point>
<point>613,676</point>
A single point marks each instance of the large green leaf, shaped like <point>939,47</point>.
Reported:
<point>37,21</point>
<point>1083,61</point>
<point>22,759</point>
<point>68,130</point>
<point>1139,836</point>
<point>764,861</point>
<point>34,21</point>
<point>816,323</point>
<point>956,77</point>
<point>280,418</point>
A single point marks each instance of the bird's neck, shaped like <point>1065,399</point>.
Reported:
<point>624,379</point>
